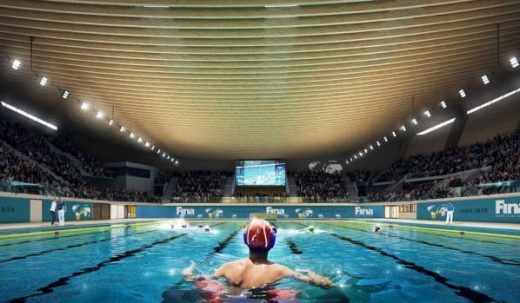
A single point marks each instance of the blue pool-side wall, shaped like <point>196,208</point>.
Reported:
<point>245,211</point>
<point>485,209</point>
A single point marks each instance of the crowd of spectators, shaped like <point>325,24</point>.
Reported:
<point>500,152</point>
<point>200,185</point>
<point>321,185</point>
<point>88,162</point>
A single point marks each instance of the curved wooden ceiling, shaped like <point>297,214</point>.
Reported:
<point>236,79</point>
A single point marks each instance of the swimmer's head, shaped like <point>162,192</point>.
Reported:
<point>207,228</point>
<point>259,235</point>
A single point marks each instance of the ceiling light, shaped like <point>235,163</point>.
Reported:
<point>360,154</point>
<point>111,122</point>
<point>443,104</point>
<point>366,151</point>
<point>43,81</point>
<point>346,161</point>
<point>132,135</point>
<point>153,147</point>
<point>514,62</point>
<point>65,94</point>
<point>147,144</point>
<point>172,159</point>
<point>462,93</point>
<point>139,140</point>
<point>16,64</point>
<point>427,113</point>
<point>385,138</point>
<point>485,79</point>
<point>378,144</point>
<point>122,129</point>
<point>100,115</point>
<point>402,128</point>
<point>168,157</point>
<point>394,134</point>
<point>164,155</point>
<point>355,156</point>
<point>84,106</point>
<point>27,115</point>
<point>371,147</point>
<point>429,130</point>
<point>414,121</point>
<point>176,162</point>
<point>280,5</point>
<point>350,159</point>
<point>158,151</point>
<point>500,98</point>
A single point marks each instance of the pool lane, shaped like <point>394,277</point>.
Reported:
<point>476,277</point>
<point>117,250</point>
<point>504,261</point>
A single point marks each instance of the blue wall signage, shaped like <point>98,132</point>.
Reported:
<point>243,212</point>
<point>74,211</point>
<point>506,210</point>
<point>14,210</point>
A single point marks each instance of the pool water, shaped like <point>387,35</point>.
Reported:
<point>144,264</point>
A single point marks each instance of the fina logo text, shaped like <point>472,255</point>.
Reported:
<point>363,211</point>
<point>185,211</point>
<point>276,211</point>
<point>503,208</point>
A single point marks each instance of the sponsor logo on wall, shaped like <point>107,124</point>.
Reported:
<point>82,211</point>
<point>361,211</point>
<point>183,212</point>
<point>503,209</point>
<point>214,213</point>
<point>304,213</point>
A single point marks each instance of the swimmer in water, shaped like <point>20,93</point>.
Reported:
<point>257,271</point>
<point>207,229</point>
<point>377,228</point>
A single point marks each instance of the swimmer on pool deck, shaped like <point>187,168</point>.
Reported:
<point>255,271</point>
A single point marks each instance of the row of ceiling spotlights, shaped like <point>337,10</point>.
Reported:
<point>100,115</point>
<point>462,93</point>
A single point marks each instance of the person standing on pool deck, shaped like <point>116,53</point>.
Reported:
<point>53,210</point>
<point>449,216</point>
<point>61,211</point>
<point>255,271</point>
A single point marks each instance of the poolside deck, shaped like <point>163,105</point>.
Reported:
<point>488,225</point>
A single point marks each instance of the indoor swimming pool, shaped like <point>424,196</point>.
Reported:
<point>143,263</point>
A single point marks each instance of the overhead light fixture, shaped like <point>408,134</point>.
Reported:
<point>280,5</point>
<point>147,144</point>
<point>355,157</point>
<point>100,115</point>
<point>139,140</point>
<point>394,134</point>
<point>514,62</point>
<point>378,144</point>
<point>485,79</point>
<point>164,155</point>
<point>43,81</point>
<point>84,106</point>
<point>132,135</point>
<point>111,122</point>
<point>427,113</point>
<point>443,104</point>
<point>500,98</point>
<point>360,154</point>
<point>366,151</point>
<point>402,128</point>
<point>371,147</point>
<point>168,157</point>
<point>429,130</point>
<point>385,138</point>
<point>65,94</point>
<point>27,115</point>
<point>153,147</point>
<point>16,64</point>
<point>172,159</point>
<point>414,121</point>
<point>122,129</point>
<point>350,159</point>
<point>158,151</point>
<point>176,162</point>
<point>346,161</point>
<point>462,93</point>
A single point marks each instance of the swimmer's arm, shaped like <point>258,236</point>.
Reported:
<point>310,277</point>
<point>188,273</point>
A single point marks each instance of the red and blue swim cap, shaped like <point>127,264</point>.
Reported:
<point>259,234</point>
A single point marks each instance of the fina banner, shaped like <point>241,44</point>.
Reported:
<point>244,212</point>
<point>506,210</point>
